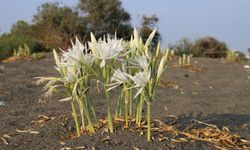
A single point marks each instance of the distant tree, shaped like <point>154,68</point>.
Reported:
<point>183,46</point>
<point>209,46</point>
<point>240,54</point>
<point>148,24</point>
<point>21,27</point>
<point>106,16</point>
<point>248,51</point>
<point>55,25</point>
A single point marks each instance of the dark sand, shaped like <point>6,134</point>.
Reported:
<point>219,95</point>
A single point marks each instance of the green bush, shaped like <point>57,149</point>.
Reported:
<point>235,56</point>
<point>183,46</point>
<point>9,42</point>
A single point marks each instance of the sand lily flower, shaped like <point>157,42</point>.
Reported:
<point>140,80</point>
<point>142,62</point>
<point>106,49</point>
<point>72,75</point>
<point>77,55</point>
<point>119,77</point>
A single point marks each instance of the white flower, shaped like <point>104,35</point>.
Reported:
<point>140,80</point>
<point>119,78</point>
<point>77,55</point>
<point>106,49</point>
<point>142,62</point>
<point>72,75</point>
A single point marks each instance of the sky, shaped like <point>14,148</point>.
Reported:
<point>226,20</point>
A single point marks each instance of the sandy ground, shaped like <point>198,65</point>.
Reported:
<point>219,95</point>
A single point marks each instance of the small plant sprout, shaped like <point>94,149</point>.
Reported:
<point>172,53</point>
<point>22,51</point>
<point>128,65</point>
<point>188,60</point>
<point>180,61</point>
<point>185,60</point>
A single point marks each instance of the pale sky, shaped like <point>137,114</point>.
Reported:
<point>226,20</point>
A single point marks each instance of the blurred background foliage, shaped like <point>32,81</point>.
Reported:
<point>55,25</point>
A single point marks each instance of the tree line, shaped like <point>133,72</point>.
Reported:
<point>55,25</point>
<point>203,47</point>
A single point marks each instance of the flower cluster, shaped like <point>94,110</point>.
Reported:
<point>130,66</point>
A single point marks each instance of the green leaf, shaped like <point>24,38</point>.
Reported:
<point>157,50</point>
<point>150,38</point>
<point>160,68</point>
<point>56,58</point>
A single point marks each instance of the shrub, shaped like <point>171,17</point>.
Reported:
<point>183,46</point>
<point>209,47</point>
<point>9,42</point>
<point>235,55</point>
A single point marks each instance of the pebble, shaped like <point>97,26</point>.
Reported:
<point>3,103</point>
<point>246,67</point>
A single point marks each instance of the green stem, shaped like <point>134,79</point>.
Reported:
<point>75,118</point>
<point>82,115</point>
<point>110,121</point>
<point>126,100</point>
<point>119,105</point>
<point>94,114</point>
<point>91,128</point>
<point>140,109</point>
<point>90,106</point>
<point>130,102</point>
<point>126,114</point>
<point>81,108</point>
<point>86,110</point>
<point>148,120</point>
<point>137,110</point>
<point>105,76</point>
